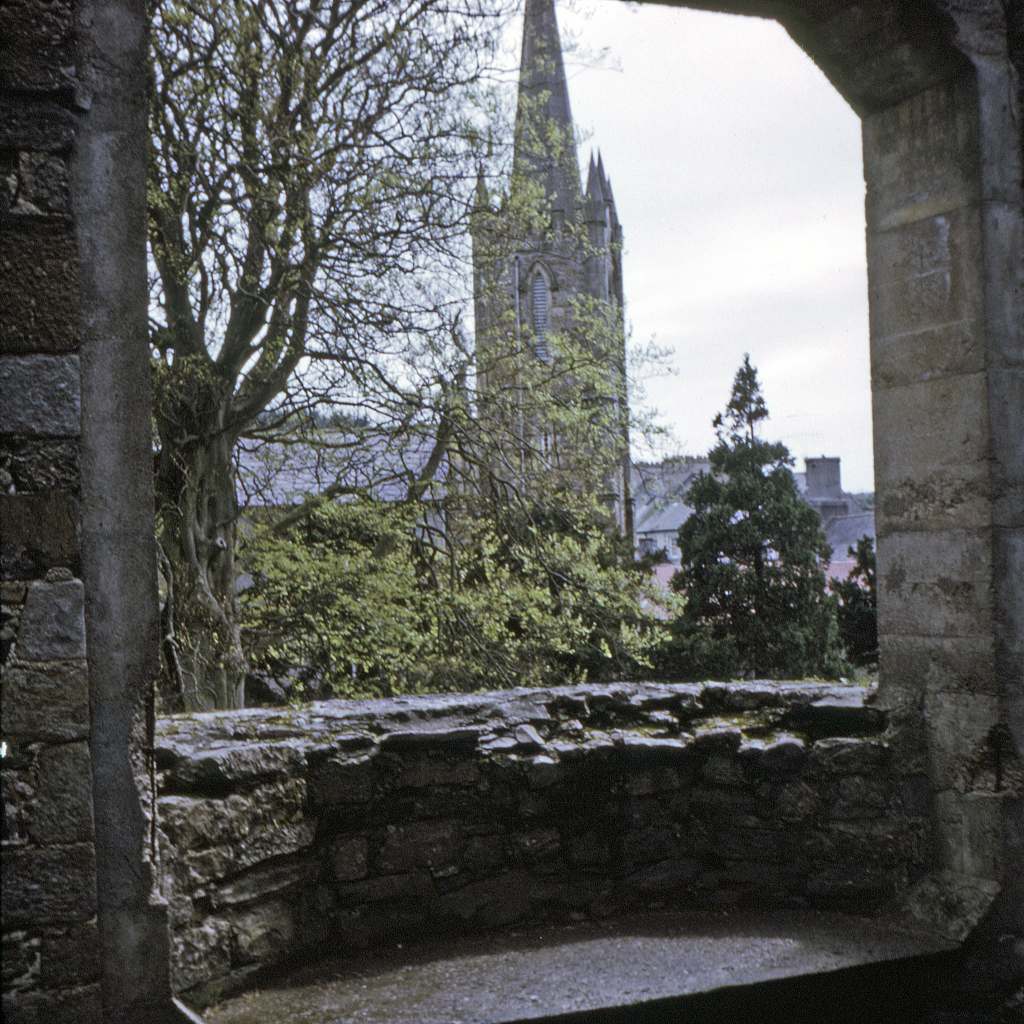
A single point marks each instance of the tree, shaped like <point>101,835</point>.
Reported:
<point>363,599</point>
<point>310,184</point>
<point>751,573</point>
<point>858,605</point>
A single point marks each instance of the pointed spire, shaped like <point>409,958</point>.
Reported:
<point>595,188</point>
<point>545,142</point>
<point>482,195</point>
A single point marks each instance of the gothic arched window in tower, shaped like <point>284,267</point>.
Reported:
<point>540,294</point>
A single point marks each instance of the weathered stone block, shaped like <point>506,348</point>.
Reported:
<point>665,877</point>
<point>39,43</point>
<point>589,849</point>
<point>723,770</point>
<point>436,736</point>
<point>848,755</point>
<point>859,796</point>
<point>38,258</point>
<point>928,352</point>
<point>855,885</point>
<point>720,739</point>
<point>544,772</point>
<point>40,464</point>
<point>960,730</point>
<point>837,715</point>
<point>795,802</point>
<point>262,843</point>
<point>20,963</point>
<point>50,704</point>
<point>37,532</point>
<point>263,933</point>
<point>43,183</point>
<point>52,623</point>
<point>70,956</point>
<point>659,750</point>
<point>648,845</point>
<point>424,844</point>
<point>80,1005</point>
<point>931,279</point>
<point>265,880</point>
<point>343,781</point>
<point>427,771</point>
<point>784,754</point>
<point>937,663</point>
<point>921,156</point>
<point>936,584</point>
<point>239,763</point>
<point>409,886</point>
<point>938,476</point>
<point>62,809</point>
<point>538,845</point>
<point>49,885</point>
<point>200,952</point>
<point>41,395</point>
<point>350,858</point>
<point>35,124</point>
<point>193,823</point>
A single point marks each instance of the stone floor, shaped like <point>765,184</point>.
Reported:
<point>694,967</point>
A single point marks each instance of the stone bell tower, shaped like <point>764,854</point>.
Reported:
<point>531,270</point>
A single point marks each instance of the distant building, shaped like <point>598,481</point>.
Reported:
<point>659,490</point>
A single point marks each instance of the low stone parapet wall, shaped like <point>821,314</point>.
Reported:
<point>345,825</point>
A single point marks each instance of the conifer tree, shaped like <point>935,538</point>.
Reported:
<point>858,605</point>
<point>752,560</point>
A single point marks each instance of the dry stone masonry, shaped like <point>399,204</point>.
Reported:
<point>282,827</point>
<point>344,825</point>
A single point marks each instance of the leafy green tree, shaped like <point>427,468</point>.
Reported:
<point>374,599</point>
<point>751,574</point>
<point>858,605</point>
<point>310,183</point>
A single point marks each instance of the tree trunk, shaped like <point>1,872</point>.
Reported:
<point>204,666</point>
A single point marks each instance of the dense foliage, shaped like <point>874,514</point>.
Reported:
<point>310,187</point>
<point>858,605</point>
<point>358,600</point>
<point>753,552</point>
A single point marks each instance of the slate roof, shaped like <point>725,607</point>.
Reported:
<point>284,473</point>
<point>843,532</point>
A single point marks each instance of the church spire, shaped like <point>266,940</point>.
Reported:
<point>545,141</point>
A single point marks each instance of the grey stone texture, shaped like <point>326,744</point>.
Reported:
<point>37,253</point>
<point>38,532</point>
<point>282,827</point>
<point>940,87</point>
<point>52,624</point>
<point>698,967</point>
<point>41,395</point>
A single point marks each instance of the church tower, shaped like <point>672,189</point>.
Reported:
<point>548,262</point>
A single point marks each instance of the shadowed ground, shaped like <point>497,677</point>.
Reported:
<point>692,967</point>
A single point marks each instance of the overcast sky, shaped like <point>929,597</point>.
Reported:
<point>736,169</point>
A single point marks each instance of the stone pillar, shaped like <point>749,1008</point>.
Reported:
<point>85,939</point>
<point>50,942</point>
<point>944,266</point>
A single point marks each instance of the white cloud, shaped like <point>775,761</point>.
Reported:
<point>737,171</point>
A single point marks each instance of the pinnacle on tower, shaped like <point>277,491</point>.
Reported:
<point>545,140</point>
<point>595,187</point>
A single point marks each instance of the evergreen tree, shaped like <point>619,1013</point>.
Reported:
<point>858,605</point>
<point>752,554</point>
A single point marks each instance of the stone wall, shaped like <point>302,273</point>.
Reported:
<point>51,963</point>
<point>346,825</point>
<point>84,939</point>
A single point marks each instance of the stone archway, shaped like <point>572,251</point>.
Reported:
<point>938,86</point>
